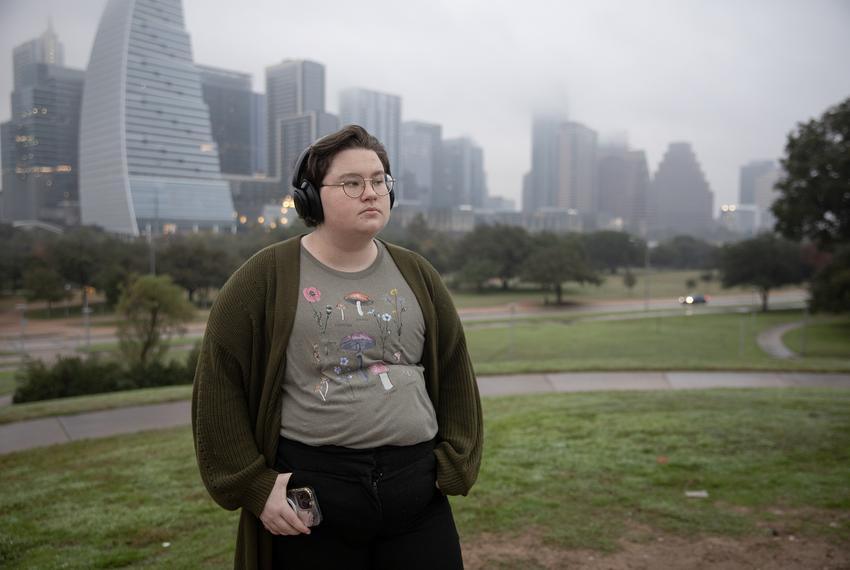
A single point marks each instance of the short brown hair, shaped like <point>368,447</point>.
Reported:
<point>326,148</point>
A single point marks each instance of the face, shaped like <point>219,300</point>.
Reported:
<point>364,216</point>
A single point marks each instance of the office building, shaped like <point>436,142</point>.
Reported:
<point>747,181</point>
<point>563,168</point>
<point>765,193</point>
<point>259,134</point>
<point>623,184</point>
<point>421,148</point>
<point>540,188</point>
<point>295,115</point>
<point>40,143</point>
<point>577,170</point>
<point>463,181</point>
<point>228,98</point>
<point>681,201</point>
<point>380,114</point>
<point>148,161</point>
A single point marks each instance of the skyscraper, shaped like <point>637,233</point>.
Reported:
<point>40,142</point>
<point>44,49</point>
<point>540,189</point>
<point>747,181</point>
<point>228,97</point>
<point>577,170</point>
<point>147,155</point>
<point>259,134</point>
<point>464,181</point>
<point>681,200</point>
<point>421,150</point>
<point>378,113</point>
<point>295,97</point>
<point>765,195</point>
<point>563,168</point>
<point>623,183</point>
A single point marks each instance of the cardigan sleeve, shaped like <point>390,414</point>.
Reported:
<point>458,410</point>
<point>233,469</point>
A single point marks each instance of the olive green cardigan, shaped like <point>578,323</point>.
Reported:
<point>236,401</point>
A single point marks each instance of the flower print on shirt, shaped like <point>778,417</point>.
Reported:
<point>383,320</point>
<point>313,296</point>
<point>398,307</point>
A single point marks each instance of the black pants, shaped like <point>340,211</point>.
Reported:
<point>380,506</point>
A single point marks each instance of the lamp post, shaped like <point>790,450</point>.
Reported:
<point>22,309</point>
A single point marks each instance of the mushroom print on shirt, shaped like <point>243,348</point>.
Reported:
<point>353,375</point>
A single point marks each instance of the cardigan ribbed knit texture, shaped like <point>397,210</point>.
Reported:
<point>236,400</point>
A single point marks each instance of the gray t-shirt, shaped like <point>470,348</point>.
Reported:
<point>354,376</point>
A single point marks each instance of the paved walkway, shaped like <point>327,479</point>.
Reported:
<point>62,429</point>
<point>770,340</point>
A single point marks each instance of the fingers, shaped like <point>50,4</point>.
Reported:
<point>290,519</point>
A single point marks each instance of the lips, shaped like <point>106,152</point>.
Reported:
<point>376,210</point>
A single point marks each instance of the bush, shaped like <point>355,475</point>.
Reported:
<point>76,376</point>
<point>72,376</point>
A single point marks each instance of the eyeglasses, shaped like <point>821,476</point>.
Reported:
<point>355,185</point>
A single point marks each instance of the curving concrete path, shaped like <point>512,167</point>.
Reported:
<point>62,429</point>
<point>770,340</point>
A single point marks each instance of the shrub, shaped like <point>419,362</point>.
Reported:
<point>76,376</point>
<point>71,376</point>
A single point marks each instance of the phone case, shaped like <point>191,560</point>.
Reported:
<point>303,502</point>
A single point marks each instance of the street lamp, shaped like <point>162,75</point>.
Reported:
<point>22,309</point>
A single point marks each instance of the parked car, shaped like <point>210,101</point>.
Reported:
<point>693,299</point>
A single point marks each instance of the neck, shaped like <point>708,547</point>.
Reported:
<point>342,253</point>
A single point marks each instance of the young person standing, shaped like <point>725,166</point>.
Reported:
<point>336,361</point>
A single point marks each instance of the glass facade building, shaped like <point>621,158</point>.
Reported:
<point>147,154</point>
<point>40,141</point>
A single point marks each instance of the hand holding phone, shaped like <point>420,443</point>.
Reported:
<point>303,502</point>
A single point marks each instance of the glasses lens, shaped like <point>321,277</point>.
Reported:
<point>389,181</point>
<point>354,187</point>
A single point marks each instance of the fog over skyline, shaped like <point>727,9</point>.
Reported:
<point>731,78</point>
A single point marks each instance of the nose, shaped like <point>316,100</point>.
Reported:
<point>371,185</point>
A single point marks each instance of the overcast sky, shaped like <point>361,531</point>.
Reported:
<point>732,77</point>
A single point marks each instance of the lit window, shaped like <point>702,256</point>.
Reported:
<point>169,229</point>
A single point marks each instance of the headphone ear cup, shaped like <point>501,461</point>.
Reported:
<point>308,203</point>
<point>392,199</point>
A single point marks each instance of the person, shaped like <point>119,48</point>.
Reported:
<point>336,361</point>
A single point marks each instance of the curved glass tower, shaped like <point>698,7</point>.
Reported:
<point>147,156</point>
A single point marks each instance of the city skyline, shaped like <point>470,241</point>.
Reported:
<point>734,86</point>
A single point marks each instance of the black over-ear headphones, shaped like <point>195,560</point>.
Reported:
<point>308,203</point>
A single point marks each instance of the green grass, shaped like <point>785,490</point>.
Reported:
<point>580,469</point>
<point>825,339</point>
<point>696,342</point>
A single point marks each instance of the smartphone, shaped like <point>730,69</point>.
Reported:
<point>303,502</point>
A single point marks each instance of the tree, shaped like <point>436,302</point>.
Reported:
<point>611,250</point>
<point>629,280</point>
<point>153,309</point>
<point>195,263</point>
<point>44,284</point>
<point>684,252</point>
<point>814,191</point>
<point>477,272</point>
<point>555,259</point>
<point>78,256</point>
<point>505,246</point>
<point>831,285</point>
<point>765,262</point>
